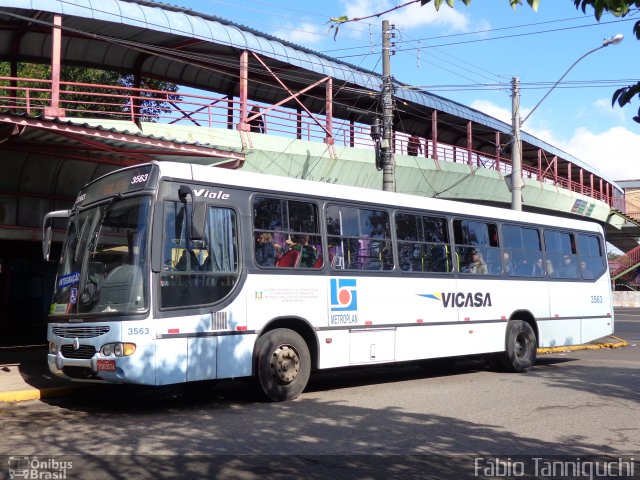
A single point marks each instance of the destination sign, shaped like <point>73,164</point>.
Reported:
<point>120,182</point>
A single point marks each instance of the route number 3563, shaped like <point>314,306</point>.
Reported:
<point>139,178</point>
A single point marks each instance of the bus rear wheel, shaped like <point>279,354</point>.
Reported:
<point>521,347</point>
<point>283,364</point>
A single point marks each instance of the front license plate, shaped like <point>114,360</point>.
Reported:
<point>106,365</point>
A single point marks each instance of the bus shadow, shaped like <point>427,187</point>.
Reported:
<point>558,372</point>
<point>220,428</point>
<point>349,377</point>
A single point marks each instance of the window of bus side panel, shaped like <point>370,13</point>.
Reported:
<point>423,243</point>
<point>591,260</point>
<point>477,247</point>
<point>561,258</point>
<point>522,254</point>
<point>197,272</point>
<point>286,233</point>
<point>358,238</point>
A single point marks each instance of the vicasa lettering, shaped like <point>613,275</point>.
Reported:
<point>220,195</point>
<point>464,300</point>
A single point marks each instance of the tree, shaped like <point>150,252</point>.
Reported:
<point>88,100</point>
<point>617,8</point>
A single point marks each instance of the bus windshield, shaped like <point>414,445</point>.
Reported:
<point>103,263</point>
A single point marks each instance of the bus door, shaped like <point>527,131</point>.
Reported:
<point>199,268</point>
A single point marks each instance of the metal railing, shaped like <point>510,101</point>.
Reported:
<point>625,263</point>
<point>33,96</point>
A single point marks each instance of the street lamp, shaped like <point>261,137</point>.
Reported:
<point>516,151</point>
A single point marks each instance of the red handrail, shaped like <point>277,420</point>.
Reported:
<point>622,263</point>
<point>31,96</point>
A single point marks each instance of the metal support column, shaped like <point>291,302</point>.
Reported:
<point>54,110</point>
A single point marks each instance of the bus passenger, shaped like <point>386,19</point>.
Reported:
<point>550,270</point>
<point>405,255</point>
<point>568,268</point>
<point>584,269</point>
<point>538,268</point>
<point>308,253</point>
<point>267,252</point>
<point>507,263</point>
<point>476,264</point>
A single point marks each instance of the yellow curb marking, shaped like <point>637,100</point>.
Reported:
<point>35,394</point>
<point>574,348</point>
<point>20,396</point>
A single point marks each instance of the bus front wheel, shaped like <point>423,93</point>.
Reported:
<point>521,347</point>
<point>283,364</point>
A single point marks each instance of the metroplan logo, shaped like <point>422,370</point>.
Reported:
<point>344,296</point>
<point>344,301</point>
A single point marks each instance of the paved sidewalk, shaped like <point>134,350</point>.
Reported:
<point>24,373</point>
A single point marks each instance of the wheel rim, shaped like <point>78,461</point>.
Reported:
<point>285,364</point>
<point>522,346</point>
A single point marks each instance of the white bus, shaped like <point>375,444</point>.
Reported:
<point>175,272</point>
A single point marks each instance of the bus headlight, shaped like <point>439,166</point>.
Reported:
<point>107,350</point>
<point>118,349</point>
<point>53,348</point>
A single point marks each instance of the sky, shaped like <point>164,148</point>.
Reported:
<point>470,54</point>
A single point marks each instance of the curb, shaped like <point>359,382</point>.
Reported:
<point>37,394</point>
<point>595,346</point>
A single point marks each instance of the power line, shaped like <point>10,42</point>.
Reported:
<point>498,29</point>
<point>503,37</point>
<point>572,84</point>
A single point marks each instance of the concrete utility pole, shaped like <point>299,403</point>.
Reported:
<point>386,147</point>
<point>516,146</point>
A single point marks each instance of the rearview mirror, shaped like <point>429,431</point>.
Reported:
<point>195,224</point>
<point>47,231</point>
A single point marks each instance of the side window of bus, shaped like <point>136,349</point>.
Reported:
<point>358,238</point>
<point>591,257</point>
<point>561,255</point>
<point>197,272</point>
<point>522,252</point>
<point>477,248</point>
<point>423,243</point>
<point>286,233</point>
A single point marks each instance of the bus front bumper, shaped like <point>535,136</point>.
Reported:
<point>76,368</point>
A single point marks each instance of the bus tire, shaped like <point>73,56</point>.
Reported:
<point>521,347</point>
<point>283,364</point>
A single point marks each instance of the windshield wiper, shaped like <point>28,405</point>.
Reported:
<point>96,227</point>
<point>105,212</point>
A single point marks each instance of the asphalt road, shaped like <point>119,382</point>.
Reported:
<point>381,422</point>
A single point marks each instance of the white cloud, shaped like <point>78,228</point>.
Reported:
<point>303,33</point>
<point>602,108</point>
<point>490,108</point>
<point>613,152</point>
<point>411,16</point>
